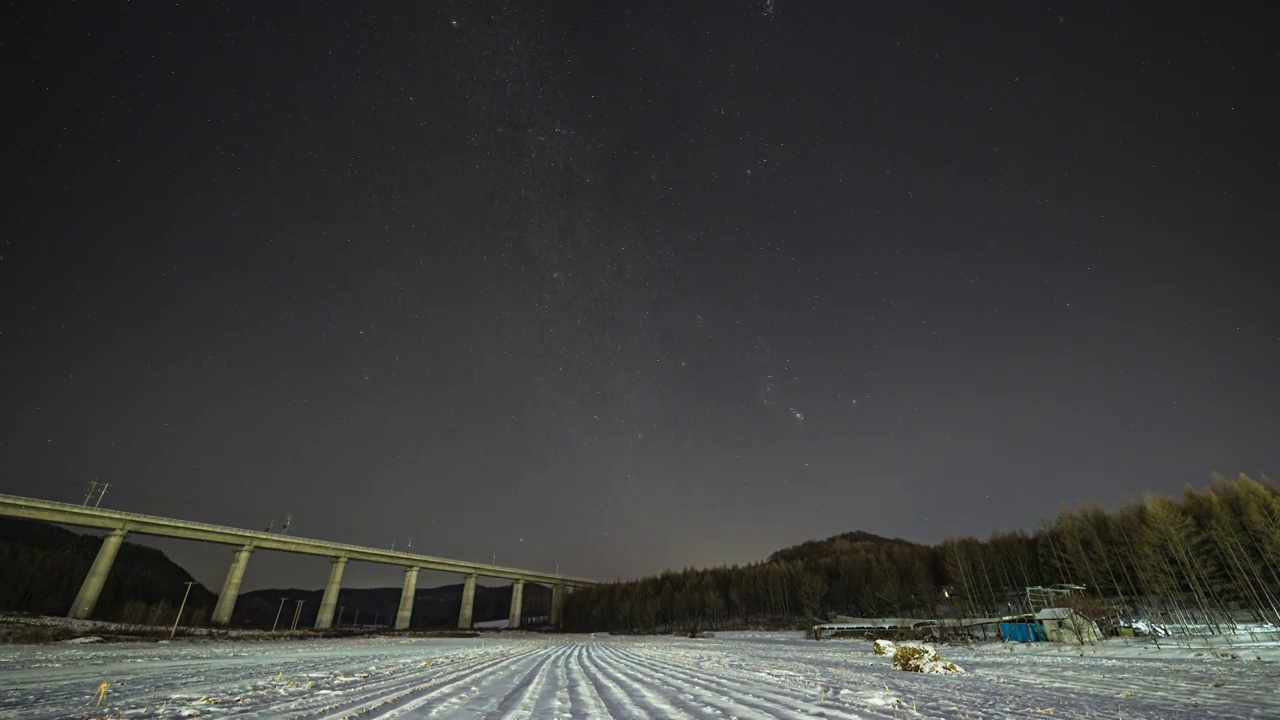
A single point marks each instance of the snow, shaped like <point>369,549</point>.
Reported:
<point>744,675</point>
<point>83,640</point>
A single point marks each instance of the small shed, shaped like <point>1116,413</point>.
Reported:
<point>1023,630</point>
<point>1065,625</point>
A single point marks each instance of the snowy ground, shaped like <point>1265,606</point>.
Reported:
<point>746,675</point>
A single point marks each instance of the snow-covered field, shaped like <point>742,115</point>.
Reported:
<point>744,675</point>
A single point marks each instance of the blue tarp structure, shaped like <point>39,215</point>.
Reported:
<point>1023,632</point>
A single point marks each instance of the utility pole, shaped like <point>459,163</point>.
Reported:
<point>338,624</point>
<point>93,486</point>
<point>410,545</point>
<point>356,622</point>
<point>100,494</point>
<point>393,546</point>
<point>181,607</point>
<point>278,611</point>
<point>271,525</point>
<point>296,614</point>
<point>288,520</point>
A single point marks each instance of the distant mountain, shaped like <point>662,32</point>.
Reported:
<point>43,565</point>
<point>834,545</point>
<point>433,607</point>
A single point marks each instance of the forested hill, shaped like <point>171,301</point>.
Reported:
<point>835,545</point>
<point>43,565</point>
<point>1208,558</point>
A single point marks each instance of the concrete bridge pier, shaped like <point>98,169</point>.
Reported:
<point>324,617</point>
<point>557,603</point>
<point>468,600</point>
<point>87,599</point>
<point>517,604</point>
<point>405,613</point>
<point>231,586</point>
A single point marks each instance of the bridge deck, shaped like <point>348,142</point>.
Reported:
<point>68,514</point>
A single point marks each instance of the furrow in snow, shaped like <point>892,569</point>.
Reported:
<point>560,702</point>
<point>753,691</point>
<point>584,699</point>
<point>741,675</point>
<point>622,698</point>
<point>436,699</point>
<point>372,701</point>
<point>692,701</point>
<point>522,698</point>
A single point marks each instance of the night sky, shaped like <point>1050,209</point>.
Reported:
<point>617,287</point>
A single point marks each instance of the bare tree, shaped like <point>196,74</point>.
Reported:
<point>813,589</point>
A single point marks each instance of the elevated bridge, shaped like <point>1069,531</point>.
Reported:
<point>120,524</point>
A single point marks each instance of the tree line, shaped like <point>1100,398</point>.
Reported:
<point>1207,560</point>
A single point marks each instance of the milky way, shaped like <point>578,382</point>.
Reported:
<point>617,287</point>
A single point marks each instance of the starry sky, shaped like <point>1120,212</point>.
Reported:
<point>617,287</point>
